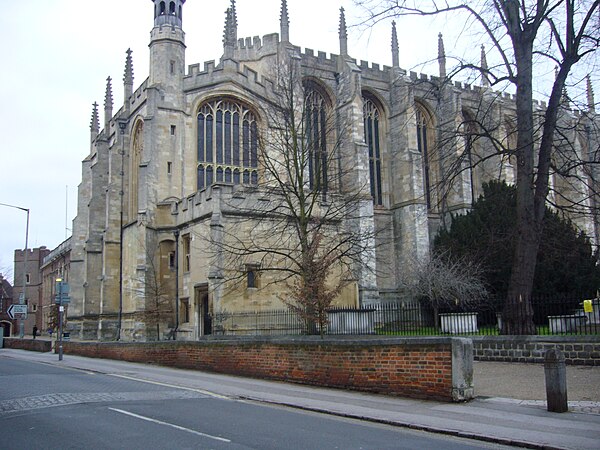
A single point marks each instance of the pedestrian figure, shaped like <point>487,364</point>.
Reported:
<point>34,331</point>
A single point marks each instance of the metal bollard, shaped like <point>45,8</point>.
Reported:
<point>555,371</point>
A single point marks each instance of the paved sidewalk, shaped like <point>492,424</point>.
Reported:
<point>490,419</point>
<point>525,384</point>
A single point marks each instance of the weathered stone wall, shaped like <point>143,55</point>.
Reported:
<point>430,368</point>
<point>578,350</point>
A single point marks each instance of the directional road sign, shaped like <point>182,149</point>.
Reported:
<point>17,311</point>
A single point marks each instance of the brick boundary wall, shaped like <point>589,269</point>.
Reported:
<point>578,350</point>
<point>425,368</point>
<point>33,345</point>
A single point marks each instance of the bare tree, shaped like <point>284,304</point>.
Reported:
<point>313,230</point>
<point>445,283</point>
<point>53,317</point>
<point>565,33</point>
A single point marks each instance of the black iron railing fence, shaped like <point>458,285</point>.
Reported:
<point>567,315</point>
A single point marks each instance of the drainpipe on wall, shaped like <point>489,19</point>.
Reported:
<point>122,125</point>
<point>176,284</point>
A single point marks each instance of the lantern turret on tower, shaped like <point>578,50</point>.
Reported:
<point>168,12</point>
<point>167,45</point>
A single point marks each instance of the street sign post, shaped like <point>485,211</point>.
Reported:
<point>61,298</point>
<point>17,312</point>
<point>62,293</point>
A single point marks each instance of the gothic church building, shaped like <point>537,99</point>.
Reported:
<point>166,167</point>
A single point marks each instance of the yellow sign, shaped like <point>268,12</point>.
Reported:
<point>587,306</point>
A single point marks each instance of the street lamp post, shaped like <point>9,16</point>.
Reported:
<point>22,295</point>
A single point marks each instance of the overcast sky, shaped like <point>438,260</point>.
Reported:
<point>56,57</point>
<point>57,54</point>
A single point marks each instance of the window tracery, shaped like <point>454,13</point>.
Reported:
<point>316,138</point>
<point>227,144</point>
<point>134,161</point>
<point>425,146</point>
<point>372,120</point>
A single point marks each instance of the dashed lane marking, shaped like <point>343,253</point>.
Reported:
<point>177,427</point>
<point>175,386</point>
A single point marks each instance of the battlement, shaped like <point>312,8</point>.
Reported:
<point>255,48</point>
<point>232,199</point>
<point>321,59</point>
<point>212,72</point>
<point>374,69</point>
<point>138,96</point>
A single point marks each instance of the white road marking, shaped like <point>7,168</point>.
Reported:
<point>177,427</point>
<point>201,391</point>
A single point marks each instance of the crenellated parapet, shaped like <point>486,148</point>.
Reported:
<point>213,73</point>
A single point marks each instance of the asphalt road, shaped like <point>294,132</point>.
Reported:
<point>43,406</point>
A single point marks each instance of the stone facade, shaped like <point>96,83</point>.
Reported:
<point>151,208</point>
<point>55,265</point>
<point>578,350</point>
<point>31,264</point>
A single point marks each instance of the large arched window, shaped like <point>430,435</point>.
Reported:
<point>316,133</point>
<point>227,144</point>
<point>372,120</point>
<point>135,158</point>
<point>425,147</point>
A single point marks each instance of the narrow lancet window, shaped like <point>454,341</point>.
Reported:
<point>372,122</point>
<point>316,139</point>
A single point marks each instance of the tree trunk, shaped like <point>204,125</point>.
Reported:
<point>518,312</point>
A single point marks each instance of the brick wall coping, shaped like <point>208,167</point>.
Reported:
<point>582,339</point>
<point>295,340</point>
<point>426,367</point>
<point>33,345</point>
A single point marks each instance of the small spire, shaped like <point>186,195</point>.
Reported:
<point>234,22</point>
<point>228,35</point>
<point>128,76</point>
<point>590,95</point>
<point>343,33</point>
<point>485,81</point>
<point>95,122</point>
<point>284,22</point>
<point>108,105</point>
<point>441,56</point>
<point>395,48</point>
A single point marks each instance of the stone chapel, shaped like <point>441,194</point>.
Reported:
<point>166,169</point>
